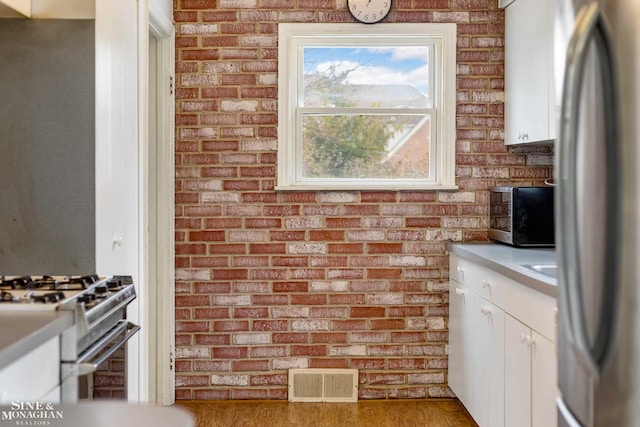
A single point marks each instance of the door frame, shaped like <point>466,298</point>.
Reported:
<point>156,201</point>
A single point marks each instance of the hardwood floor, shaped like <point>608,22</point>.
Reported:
<point>365,413</point>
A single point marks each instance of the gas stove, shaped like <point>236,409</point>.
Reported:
<point>98,304</point>
<point>91,293</point>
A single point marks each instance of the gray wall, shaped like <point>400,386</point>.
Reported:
<point>47,146</point>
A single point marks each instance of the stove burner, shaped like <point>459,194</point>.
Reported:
<point>84,281</point>
<point>48,282</point>
<point>15,282</point>
<point>6,297</point>
<point>48,297</point>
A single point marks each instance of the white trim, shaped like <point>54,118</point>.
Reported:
<point>143,356</point>
<point>293,38</point>
<point>164,229</point>
<point>157,114</point>
<point>159,26</point>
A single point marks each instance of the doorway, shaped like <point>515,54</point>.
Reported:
<point>159,233</point>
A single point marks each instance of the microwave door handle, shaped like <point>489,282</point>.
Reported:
<point>590,26</point>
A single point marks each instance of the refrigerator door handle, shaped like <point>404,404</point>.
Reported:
<point>566,418</point>
<point>590,27</point>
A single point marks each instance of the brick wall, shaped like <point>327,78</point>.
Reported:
<point>268,281</point>
<point>109,380</point>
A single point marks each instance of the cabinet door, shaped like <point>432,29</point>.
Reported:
<point>544,382</point>
<point>488,407</point>
<point>117,145</point>
<point>514,70</point>
<point>517,386</point>
<point>537,56</point>
<point>461,352</point>
<point>528,71</point>
<point>34,376</point>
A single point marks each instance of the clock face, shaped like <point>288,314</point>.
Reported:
<point>369,11</point>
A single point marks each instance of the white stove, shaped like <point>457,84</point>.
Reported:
<point>99,307</point>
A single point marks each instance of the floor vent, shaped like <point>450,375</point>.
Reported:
<point>323,385</point>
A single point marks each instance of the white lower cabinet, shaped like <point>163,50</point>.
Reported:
<point>544,382</point>
<point>33,377</point>
<point>501,367</point>
<point>530,377</point>
<point>489,358</point>
<point>517,374</point>
<point>460,342</point>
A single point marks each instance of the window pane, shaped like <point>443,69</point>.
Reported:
<point>367,77</point>
<point>366,146</point>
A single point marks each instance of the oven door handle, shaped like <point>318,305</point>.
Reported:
<point>107,345</point>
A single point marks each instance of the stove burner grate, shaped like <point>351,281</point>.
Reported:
<point>48,297</point>
<point>48,282</point>
<point>6,297</point>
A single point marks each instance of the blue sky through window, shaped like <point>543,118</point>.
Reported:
<point>373,65</point>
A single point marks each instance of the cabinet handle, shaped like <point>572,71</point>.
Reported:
<point>459,269</point>
<point>486,283</point>
<point>525,136</point>
<point>527,339</point>
<point>459,292</point>
<point>486,310</point>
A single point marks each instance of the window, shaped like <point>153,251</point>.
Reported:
<point>366,107</point>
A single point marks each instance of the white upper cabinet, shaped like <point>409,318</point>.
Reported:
<point>529,87</point>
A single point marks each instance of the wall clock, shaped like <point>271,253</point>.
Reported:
<point>369,11</point>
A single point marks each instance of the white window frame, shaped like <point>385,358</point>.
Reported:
<point>293,38</point>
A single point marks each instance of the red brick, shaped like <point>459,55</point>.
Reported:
<point>250,312</point>
<point>269,379</point>
<point>250,365</point>
<point>367,312</point>
<point>387,324</point>
<point>329,363</point>
<point>384,248</point>
<point>290,337</point>
<point>326,235</point>
<point>270,325</point>
<point>212,339</point>
<point>329,337</point>
<point>230,352</point>
<point>267,248</point>
<point>308,350</point>
<point>230,325</point>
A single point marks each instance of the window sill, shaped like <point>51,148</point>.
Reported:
<point>360,187</point>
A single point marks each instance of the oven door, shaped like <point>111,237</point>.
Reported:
<point>95,355</point>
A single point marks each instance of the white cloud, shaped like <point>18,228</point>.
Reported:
<point>377,75</point>
<point>402,53</point>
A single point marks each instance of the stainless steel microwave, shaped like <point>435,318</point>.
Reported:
<point>522,216</point>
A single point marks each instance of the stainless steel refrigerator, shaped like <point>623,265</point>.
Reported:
<point>597,212</point>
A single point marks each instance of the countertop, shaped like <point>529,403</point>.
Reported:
<point>104,413</point>
<point>507,261</point>
<point>24,331</point>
